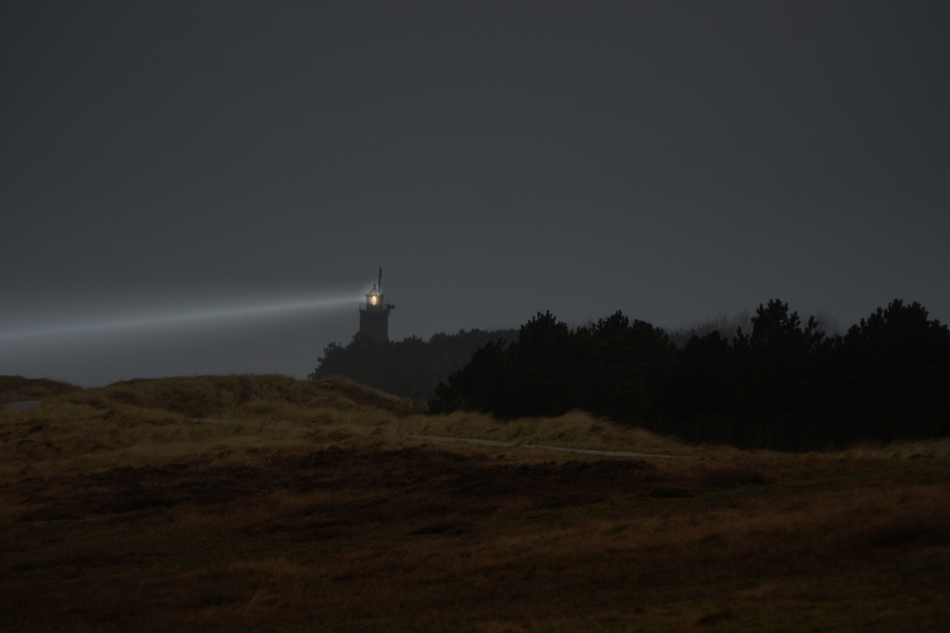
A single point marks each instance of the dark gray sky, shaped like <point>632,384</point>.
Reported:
<point>670,159</point>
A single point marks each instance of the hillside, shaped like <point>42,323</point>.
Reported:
<point>18,388</point>
<point>266,503</point>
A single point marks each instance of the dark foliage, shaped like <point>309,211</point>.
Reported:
<point>411,367</point>
<point>784,385</point>
<point>613,368</point>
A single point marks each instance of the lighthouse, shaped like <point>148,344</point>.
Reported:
<point>374,314</point>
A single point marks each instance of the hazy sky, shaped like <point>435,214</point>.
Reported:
<point>673,160</point>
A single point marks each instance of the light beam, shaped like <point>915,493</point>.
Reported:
<point>183,318</point>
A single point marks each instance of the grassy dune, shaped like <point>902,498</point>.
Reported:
<point>266,503</point>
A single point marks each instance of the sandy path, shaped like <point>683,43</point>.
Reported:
<point>550,448</point>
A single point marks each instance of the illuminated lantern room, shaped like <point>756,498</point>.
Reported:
<point>374,314</point>
<point>374,298</point>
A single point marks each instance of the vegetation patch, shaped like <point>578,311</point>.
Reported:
<point>308,508</point>
<point>783,385</point>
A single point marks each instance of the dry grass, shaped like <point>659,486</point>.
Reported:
<point>310,510</point>
<point>18,388</point>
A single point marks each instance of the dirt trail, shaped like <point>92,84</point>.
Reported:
<point>550,448</point>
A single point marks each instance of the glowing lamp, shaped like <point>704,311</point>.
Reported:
<point>374,298</point>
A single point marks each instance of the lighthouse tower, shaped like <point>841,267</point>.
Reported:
<point>374,314</point>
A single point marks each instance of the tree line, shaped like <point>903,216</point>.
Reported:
<point>784,384</point>
<point>412,367</point>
